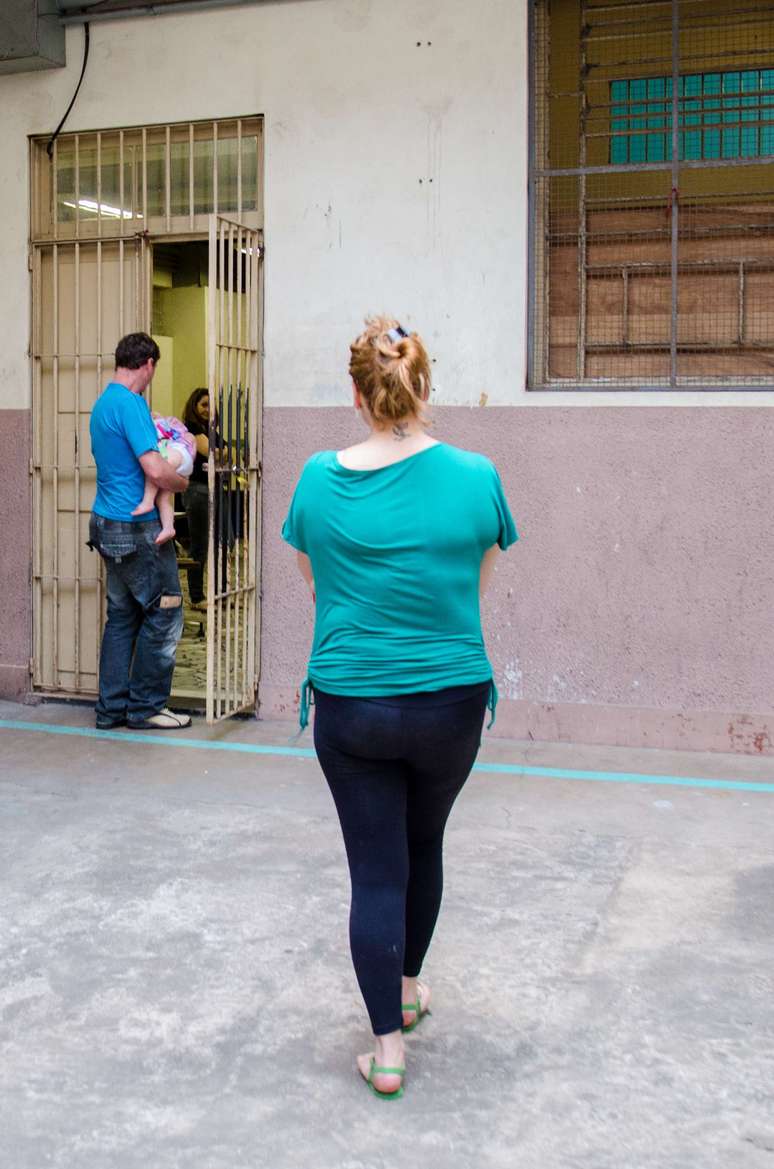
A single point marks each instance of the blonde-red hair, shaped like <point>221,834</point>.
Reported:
<point>391,369</point>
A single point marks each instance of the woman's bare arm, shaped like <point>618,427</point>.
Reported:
<point>487,568</point>
<point>305,568</point>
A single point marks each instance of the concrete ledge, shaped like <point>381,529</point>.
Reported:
<point>733,732</point>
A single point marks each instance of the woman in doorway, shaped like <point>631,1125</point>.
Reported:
<point>396,537</point>
<point>196,417</point>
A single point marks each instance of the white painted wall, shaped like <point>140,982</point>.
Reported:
<point>355,115</point>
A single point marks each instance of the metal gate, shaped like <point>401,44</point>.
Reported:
<point>234,322</point>
<point>87,295</point>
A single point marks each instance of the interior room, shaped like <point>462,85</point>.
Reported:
<point>179,326</point>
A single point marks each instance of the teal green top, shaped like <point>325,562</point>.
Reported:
<point>396,555</point>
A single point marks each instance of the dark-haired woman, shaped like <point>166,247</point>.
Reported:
<point>396,537</point>
<point>196,417</point>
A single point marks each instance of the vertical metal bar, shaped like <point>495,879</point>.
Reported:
<point>227,550</point>
<point>212,306</point>
<point>221,528</point>
<point>147,313</point>
<point>121,278</point>
<point>36,188</point>
<point>545,243</point>
<point>77,468</point>
<point>675,196</point>
<point>77,172</point>
<point>100,345</point>
<point>532,289</point>
<point>215,167</point>
<point>239,168</point>
<point>121,192</point>
<point>99,185</point>
<point>229,477</point>
<point>257,190</point>
<point>168,179</point>
<point>122,196</point>
<point>145,177</point>
<point>741,329</point>
<point>238,261</point>
<point>582,229</point>
<point>245,532</point>
<point>55,472</point>
<point>237,462</point>
<point>37,415</point>
<point>625,310</point>
<point>191,193</point>
<point>240,258</point>
<point>55,190</point>
<point>254,406</point>
<point>136,285</point>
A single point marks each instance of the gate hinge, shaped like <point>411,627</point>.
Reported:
<point>29,258</point>
<point>259,472</point>
<point>31,667</point>
<point>32,466</point>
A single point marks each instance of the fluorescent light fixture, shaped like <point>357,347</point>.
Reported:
<point>101,209</point>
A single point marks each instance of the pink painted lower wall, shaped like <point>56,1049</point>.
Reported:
<point>637,607</point>
<point>15,554</point>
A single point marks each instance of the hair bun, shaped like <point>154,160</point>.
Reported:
<point>391,369</point>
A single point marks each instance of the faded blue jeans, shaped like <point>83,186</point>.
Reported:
<point>144,619</point>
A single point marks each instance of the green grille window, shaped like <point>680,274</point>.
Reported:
<point>733,116</point>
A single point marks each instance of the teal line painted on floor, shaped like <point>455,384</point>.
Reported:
<point>164,740</point>
<point>734,785</point>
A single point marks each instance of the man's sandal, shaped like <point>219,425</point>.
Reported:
<point>375,1070</point>
<point>419,1014</point>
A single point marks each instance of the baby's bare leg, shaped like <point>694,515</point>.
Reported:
<point>148,501</point>
<point>165,502</point>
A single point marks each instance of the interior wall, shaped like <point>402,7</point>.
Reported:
<point>182,314</point>
<point>161,394</point>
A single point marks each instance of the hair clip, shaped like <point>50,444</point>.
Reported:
<point>396,333</point>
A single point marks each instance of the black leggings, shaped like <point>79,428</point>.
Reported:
<point>395,767</point>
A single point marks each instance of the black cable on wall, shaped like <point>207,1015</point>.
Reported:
<point>55,135</point>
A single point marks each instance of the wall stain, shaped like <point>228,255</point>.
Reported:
<point>749,737</point>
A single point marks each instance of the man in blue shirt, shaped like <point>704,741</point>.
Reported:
<point>144,602</point>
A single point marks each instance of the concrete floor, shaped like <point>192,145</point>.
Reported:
<point>176,991</point>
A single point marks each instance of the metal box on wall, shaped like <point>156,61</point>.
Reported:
<point>31,36</point>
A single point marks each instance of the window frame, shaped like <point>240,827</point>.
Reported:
<point>537,381</point>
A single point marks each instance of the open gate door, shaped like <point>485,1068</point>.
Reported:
<point>234,361</point>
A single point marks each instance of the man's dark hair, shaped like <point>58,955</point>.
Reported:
<point>134,350</point>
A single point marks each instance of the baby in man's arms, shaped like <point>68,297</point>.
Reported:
<point>177,446</point>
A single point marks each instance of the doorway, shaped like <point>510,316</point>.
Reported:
<point>179,327</point>
<point>155,229</point>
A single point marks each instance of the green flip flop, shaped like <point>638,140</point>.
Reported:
<point>374,1070</point>
<point>419,1014</point>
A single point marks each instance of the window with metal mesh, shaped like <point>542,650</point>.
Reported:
<point>652,194</point>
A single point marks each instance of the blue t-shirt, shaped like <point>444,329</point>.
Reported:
<point>396,555</point>
<point>121,429</point>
